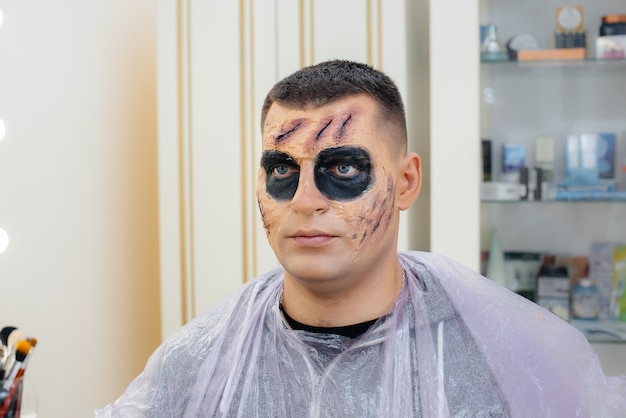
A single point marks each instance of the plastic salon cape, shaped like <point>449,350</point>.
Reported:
<point>455,344</point>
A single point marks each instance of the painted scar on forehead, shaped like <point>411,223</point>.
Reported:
<point>340,131</point>
<point>319,134</point>
<point>341,173</point>
<point>284,135</point>
<point>342,128</point>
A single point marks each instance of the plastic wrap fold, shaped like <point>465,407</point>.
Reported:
<point>455,344</point>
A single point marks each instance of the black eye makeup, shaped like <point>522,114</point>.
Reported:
<point>282,174</point>
<point>343,173</point>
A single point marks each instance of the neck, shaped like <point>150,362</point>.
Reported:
<point>350,300</point>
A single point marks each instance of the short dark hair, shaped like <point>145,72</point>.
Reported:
<point>328,81</point>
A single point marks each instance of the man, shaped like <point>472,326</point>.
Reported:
<point>347,326</point>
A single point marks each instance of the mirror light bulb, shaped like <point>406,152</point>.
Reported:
<point>1,17</point>
<point>3,129</point>
<point>4,240</point>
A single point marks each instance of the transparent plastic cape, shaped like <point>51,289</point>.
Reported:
<point>455,344</point>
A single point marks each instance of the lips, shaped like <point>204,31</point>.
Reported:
<point>312,238</point>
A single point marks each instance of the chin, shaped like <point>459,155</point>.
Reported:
<point>314,268</point>
<point>312,272</point>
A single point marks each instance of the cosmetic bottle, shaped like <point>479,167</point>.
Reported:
<point>614,24</point>
<point>496,265</point>
<point>585,303</point>
<point>492,49</point>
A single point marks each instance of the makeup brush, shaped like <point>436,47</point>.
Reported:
<point>4,353</point>
<point>32,341</point>
<point>22,350</point>
<point>11,336</point>
<point>15,336</point>
<point>4,334</point>
<point>4,348</point>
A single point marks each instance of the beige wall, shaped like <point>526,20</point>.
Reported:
<point>78,194</point>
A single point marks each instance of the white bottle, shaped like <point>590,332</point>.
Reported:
<point>496,265</point>
<point>585,304</point>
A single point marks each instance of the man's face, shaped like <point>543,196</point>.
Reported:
<point>326,187</point>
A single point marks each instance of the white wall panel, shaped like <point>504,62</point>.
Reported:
<point>339,30</point>
<point>228,55</point>
<point>454,174</point>
<point>216,211</point>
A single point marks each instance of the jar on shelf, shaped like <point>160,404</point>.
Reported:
<point>613,25</point>
<point>491,48</point>
<point>585,303</point>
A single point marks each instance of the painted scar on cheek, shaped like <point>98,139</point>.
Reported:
<point>343,173</point>
<point>282,174</point>
<point>381,219</point>
<point>264,219</point>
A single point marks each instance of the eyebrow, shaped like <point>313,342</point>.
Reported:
<point>284,135</point>
<point>271,158</point>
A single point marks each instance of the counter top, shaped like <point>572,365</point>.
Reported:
<point>602,330</point>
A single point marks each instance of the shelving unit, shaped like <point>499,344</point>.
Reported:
<point>523,100</point>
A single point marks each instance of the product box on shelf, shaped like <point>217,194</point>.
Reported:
<point>617,304</point>
<point>601,272</point>
<point>486,159</point>
<point>522,268</point>
<point>590,168</point>
<point>553,290</point>
<point>513,160</point>
<point>571,40</point>
<point>570,18</point>
<point>611,47</point>
<point>544,156</point>
<point>499,191</point>
<point>577,268</point>
<point>606,155</point>
<point>570,30</point>
<point>581,159</point>
<point>555,54</point>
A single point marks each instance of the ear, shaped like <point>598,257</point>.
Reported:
<point>410,181</point>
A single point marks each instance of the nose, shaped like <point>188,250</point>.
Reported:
<point>308,199</point>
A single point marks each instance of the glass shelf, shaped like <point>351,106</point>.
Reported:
<point>602,331</point>
<point>553,201</point>
<point>588,62</point>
